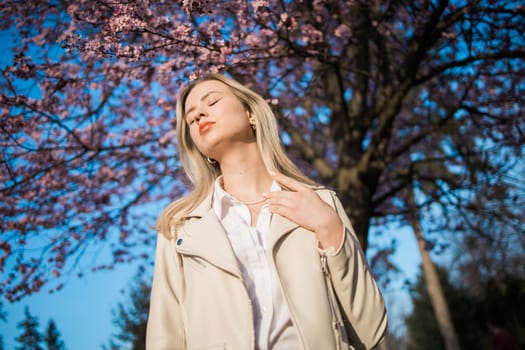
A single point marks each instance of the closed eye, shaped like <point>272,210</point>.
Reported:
<point>212,102</point>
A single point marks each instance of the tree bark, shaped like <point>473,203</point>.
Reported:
<point>435,291</point>
<point>383,346</point>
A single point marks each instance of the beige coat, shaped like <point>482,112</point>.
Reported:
<point>199,301</point>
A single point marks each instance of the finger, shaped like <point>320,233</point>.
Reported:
<point>285,198</point>
<point>279,209</point>
<point>286,181</point>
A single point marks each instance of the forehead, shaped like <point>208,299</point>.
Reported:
<point>202,89</point>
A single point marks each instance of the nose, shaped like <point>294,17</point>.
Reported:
<point>199,116</point>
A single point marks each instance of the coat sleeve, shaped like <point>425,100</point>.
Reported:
<point>358,294</point>
<point>165,327</point>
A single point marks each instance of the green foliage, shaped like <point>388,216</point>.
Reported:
<point>2,318</point>
<point>52,339</point>
<point>3,314</point>
<point>131,318</point>
<point>504,305</point>
<point>423,330</point>
<point>30,338</point>
<point>501,302</point>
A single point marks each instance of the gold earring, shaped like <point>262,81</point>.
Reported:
<point>251,120</point>
<point>211,160</point>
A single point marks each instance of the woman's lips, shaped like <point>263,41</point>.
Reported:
<point>204,126</point>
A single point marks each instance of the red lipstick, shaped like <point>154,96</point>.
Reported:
<point>204,126</point>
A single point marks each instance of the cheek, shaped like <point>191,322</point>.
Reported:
<point>238,116</point>
<point>193,136</point>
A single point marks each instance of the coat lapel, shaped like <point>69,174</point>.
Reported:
<point>279,227</point>
<point>203,236</point>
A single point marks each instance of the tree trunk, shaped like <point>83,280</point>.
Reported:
<point>435,291</point>
<point>383,345</point>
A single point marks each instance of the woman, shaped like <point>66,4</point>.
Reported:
<point>239,261</point>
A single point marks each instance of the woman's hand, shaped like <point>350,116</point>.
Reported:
<point>304,207</point>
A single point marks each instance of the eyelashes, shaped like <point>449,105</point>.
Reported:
<point>210,103</point>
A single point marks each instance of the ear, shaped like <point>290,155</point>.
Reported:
<point>251,118</point>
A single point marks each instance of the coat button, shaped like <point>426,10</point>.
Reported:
<point>179,241</point>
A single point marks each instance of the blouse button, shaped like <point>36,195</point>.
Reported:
<point>179,241</point>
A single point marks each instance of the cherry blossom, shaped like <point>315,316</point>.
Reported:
<point>372,97</point>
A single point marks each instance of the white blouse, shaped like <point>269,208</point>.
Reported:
<point>272,322</point>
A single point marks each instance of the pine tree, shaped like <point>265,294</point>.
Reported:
<point>30,338</point>
<point>423,329</point>
<point>131,319</point>
<point>3,317</point>
<point>3,314</point>
<point>53,341</point>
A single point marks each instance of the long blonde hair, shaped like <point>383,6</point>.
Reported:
<point>202,173</point>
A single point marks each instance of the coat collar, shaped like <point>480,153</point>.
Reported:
<point>203,235</point>
<point>279,225</point>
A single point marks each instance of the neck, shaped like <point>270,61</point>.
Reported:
<point>244,174</point>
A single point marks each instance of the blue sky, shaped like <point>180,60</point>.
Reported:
<point>81,310</point>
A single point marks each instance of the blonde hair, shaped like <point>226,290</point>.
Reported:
<point>201,173</point>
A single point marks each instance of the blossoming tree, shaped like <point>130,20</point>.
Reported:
<point>374,97</point>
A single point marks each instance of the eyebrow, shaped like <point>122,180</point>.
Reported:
<point>202,99</point>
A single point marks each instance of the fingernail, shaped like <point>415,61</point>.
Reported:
<point>264,194</point>
<point>272,173</point>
